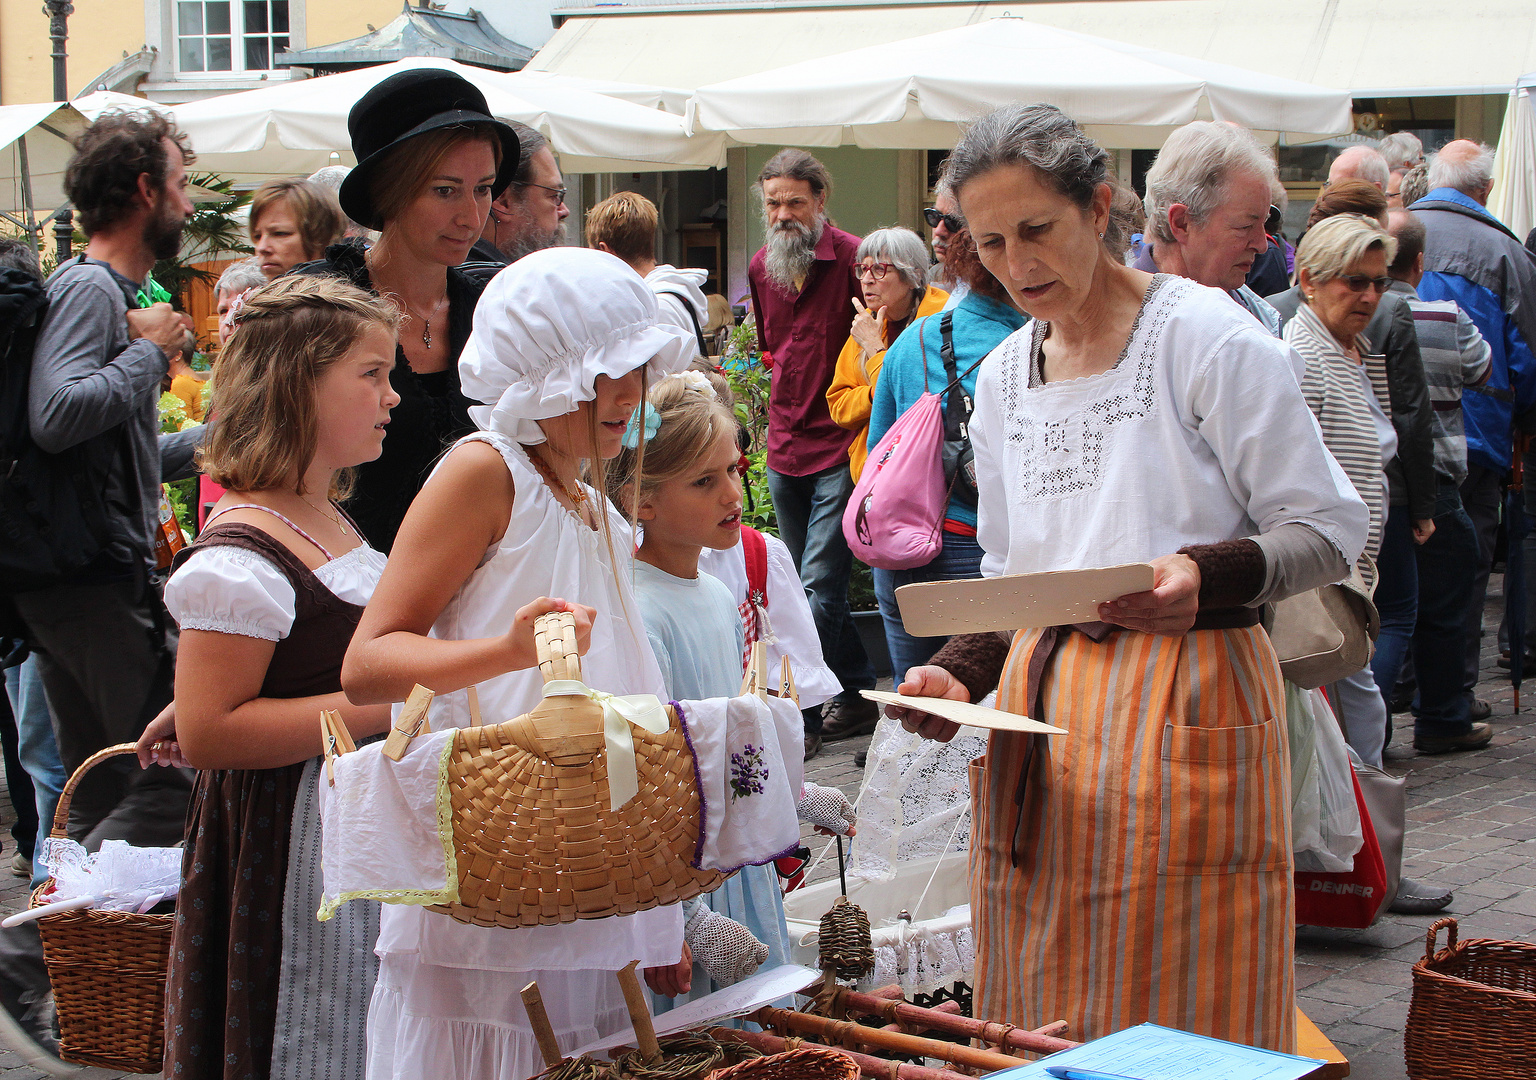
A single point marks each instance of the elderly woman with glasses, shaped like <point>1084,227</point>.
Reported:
<point>892,268</point>
<point>1136,867</point>
<point>1341,269</point>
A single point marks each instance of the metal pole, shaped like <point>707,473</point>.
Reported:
<point>34,230</point>
<point>64,233</point>
<point>58,12</point>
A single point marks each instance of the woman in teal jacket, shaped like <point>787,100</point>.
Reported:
<point>914,365</point>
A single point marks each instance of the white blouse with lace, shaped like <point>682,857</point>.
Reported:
<point>231,590</point>
<point>1198,434</point>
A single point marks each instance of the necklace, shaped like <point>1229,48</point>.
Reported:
<point>329,514</point>
<point>426,321</point>
<point>577,497</point>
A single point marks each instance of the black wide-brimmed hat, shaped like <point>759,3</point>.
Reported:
<point>406,105</point>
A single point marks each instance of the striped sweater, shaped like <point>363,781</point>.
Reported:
<point>1338,398</point>
<point>1455,358</point>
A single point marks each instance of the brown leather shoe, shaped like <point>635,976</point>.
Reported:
<point>845,718</point>
<point>1480,736</point>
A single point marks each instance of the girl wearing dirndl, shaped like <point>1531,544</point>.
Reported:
<point>1137,868</point>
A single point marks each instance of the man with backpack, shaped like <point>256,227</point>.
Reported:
<point>81,501</point>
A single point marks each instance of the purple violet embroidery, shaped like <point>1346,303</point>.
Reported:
<point>747,772</point>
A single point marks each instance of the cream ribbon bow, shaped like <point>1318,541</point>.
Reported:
<point>645,711</point>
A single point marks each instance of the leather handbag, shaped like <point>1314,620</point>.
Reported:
<point>1326,634</point>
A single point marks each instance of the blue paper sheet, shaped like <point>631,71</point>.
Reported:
<point>1151,1052</point>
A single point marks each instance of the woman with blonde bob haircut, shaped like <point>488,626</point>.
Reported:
<point>267,600</point>
<point>1341,268</point>
<point>293,221</point>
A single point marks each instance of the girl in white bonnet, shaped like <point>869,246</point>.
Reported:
<point>564,343</point>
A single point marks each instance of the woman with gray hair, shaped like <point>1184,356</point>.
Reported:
<point>1137,867</point>
<point>1341,268</point>
<point>892,268</point>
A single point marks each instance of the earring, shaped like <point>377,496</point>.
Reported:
<point>1101,236</point>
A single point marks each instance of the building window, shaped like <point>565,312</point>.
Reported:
<point>230,35</point>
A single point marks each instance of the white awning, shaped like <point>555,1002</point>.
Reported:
<point>34,149</point>
<point>915,94</point>
<point>1365,46</point>
<point>1513,199</point>
<point>296,127</point>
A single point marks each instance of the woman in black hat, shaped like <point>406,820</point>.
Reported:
<point>430,158</point>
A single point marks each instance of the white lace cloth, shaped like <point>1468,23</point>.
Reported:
<point>231,590</point>
<point>121,877</point>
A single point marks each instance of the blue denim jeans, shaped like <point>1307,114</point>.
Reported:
<point>1448,567</point>
<point>960,557</point>
<point>810,514</point>
<point>1397,598</point>
<point>37,749</point>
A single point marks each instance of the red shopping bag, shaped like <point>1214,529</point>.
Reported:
<point>1351,900</point>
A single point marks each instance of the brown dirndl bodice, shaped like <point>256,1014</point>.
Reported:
<point>221,995</point>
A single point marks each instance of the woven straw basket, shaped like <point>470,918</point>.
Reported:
<point>536,840</point>
<point>107,969</point>
<point>805,1063</point>
<point>1473,1014</point>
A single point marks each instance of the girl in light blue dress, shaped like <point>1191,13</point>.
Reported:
<point>688,498</point>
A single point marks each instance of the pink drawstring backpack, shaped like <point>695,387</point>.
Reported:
<point>897,508</point>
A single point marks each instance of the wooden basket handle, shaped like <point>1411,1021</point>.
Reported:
<point>61,815</point>
<point>554,637</point>
<point>1434,931</point>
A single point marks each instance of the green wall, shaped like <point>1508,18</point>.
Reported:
<point>863,188</point>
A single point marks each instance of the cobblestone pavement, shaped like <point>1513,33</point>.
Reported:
<point>1471,820</point>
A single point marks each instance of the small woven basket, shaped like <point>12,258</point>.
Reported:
<point>1473,1014</point>
<point>535,837</point>
<point>107,969</point>
<point>805,1063</point>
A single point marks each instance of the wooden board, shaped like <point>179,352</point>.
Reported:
<point>1312,1043</point>
<point>963,712</point>
<point>1016,601</point>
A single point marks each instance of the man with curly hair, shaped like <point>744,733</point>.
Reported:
<point>101,638</point>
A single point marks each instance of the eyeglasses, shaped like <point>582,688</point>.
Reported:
<point>877,271</point>
<point>558,192</point>
<point>952,222</point>
<point>1359,282</point>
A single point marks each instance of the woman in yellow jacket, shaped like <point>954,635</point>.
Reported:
<point>892,267</point>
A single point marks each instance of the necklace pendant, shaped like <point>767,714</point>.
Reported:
<point>426,333</point>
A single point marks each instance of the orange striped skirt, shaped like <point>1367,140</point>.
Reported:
<point>1141,870</point>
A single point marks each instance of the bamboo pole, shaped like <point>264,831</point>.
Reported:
<point>872,1067</point>
<point>1005,1035</point>
<point>538,1018</point>
<point>847,1032</point>
<point>639,1012</point>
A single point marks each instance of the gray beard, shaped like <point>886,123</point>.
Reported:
<point>529,240</point>
<point>790,251</point>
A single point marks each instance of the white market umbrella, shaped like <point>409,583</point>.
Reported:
<point>916,94</point>
<point>1513,200</point>
<point>672,99</point>
<point>34,149</point>
<point>293,128</point>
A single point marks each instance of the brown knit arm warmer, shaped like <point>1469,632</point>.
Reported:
<point>1231,572</point>
<point>976,660</point>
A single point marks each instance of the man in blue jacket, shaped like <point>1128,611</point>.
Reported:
<point>1472,259</point>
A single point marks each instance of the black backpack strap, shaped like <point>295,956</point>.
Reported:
<point>957,407</point>
<point>693,317</point>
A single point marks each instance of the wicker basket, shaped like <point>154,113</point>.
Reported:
<point>107,969</point>
<point>535,837</point>
<point>805,1063</point>
<point>1473,1015</point>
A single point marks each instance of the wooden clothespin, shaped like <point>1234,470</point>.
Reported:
<point>474,706</point>
<point>336,739</point>
<point>755,681</point>
<point>411,722</point>
<point>787,688</point>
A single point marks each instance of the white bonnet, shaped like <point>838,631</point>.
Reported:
<point>548,325</point>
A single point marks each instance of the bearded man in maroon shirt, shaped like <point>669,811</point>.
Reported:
<point>803,287</point>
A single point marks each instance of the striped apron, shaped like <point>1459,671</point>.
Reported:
<point>1139,867</point>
